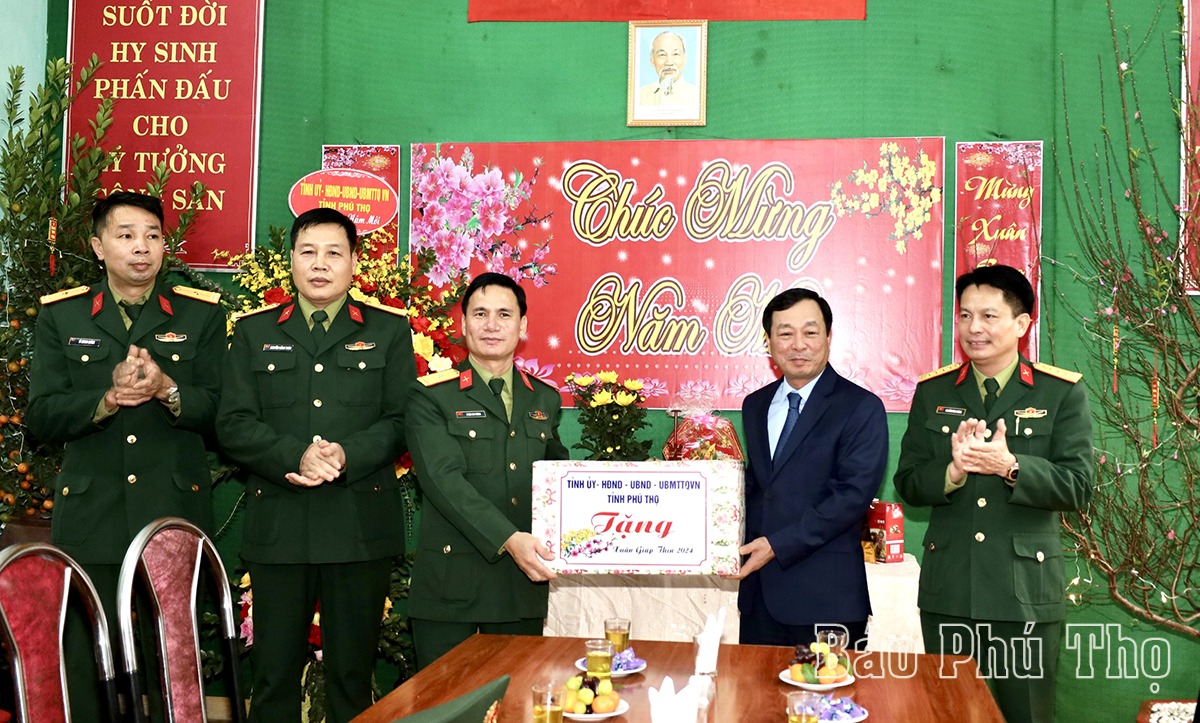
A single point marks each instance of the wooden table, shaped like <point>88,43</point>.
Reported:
<point>748,685</point>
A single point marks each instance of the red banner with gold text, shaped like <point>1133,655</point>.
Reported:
<point>185,80</point>
<point>624,10</point>
<point>654,259</point>
<point>999,210</point>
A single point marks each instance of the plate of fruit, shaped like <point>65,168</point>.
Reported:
<point>818,668</point>
<point>592,698</point>
<point>624,663</point>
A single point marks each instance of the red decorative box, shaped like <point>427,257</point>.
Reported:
<point>703,436</point>
<point>886,523</point>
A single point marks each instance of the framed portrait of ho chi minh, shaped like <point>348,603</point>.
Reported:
<point>668,72</point>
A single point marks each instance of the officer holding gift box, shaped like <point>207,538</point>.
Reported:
<point>313,408</point>
<point>998,448</point>
<point>474,433</point>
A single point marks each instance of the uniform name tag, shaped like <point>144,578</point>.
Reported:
<point>80,341</point>
<point>475,414</point>
<point>277,347</point>
<point>956,411</point>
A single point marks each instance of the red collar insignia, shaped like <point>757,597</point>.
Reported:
<point>166,305</point>
<point>97,303</point>
<point>962,375</point>
<point>525,379</point>
<point>1026,374</point>
<point>355,313</point>
<point>287,313</point>
<point>464,379</point>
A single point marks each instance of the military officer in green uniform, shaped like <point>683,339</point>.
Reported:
<point>313,410</point>
<point>474,433</point>
<point>127,374</point>
<point>998,447</point>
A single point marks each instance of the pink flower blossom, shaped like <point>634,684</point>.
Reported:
<point>900,388</point>
<point>492,216</point>
<point>1123,66</point>
<point>487,186</point>
<point>653,388</point>
<point>531,367</point>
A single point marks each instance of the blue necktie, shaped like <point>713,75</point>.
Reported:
<point>792,415</point>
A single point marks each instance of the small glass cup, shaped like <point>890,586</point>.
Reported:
<point>599,658</point>
<point>804,706</point>
<point>706,664</point>
<point>835,638</point>
<point>617,630</point>
<point>547,703</point>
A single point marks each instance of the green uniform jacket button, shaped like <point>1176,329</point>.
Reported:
<point>471,434</point>
<point>270,367</point>
<point>316,402</point>
<point>84,358</point>
<point>131,439</point>
<point>132,478</point>
<point>1041,556</point>
<point>319,368</point>
<point>174,357</point>
<point>512,432</point>
<point>258,493</point>
<point>514,501</point>
<point>980,537</point>
<point>945,429</point>
<point>446,550</point>
<point>981,502</point>
<point>66,491</point>
<point>512,466</point>
<point>195,488</point>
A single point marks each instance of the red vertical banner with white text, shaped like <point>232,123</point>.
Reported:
<point>998,216</point>
<point>185,81</point>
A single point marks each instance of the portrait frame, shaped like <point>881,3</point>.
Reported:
<point>646,91</point>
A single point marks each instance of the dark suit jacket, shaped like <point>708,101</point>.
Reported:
<point>993,551</point>
<point>281,393</point>
<point>810,505</point>
<point>141,463</point>
<point>475,469</point>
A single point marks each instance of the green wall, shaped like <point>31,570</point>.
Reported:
<point>355,71</point>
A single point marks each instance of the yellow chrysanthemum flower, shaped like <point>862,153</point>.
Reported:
<point>634,385</point>
<point>602,398</point>
<point>584,381</point>
<point>625,398</point>
<point>607,377</point>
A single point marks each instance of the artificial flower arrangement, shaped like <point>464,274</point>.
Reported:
<point>611,414</point>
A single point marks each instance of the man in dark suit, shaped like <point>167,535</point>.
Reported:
<point>816,451</point>
<point>475,432</point>
<point>313,409</point>
<point>127,374</point>
<point>998,448</point>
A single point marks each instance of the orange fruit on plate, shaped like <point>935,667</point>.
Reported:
<point>827,675</point>
<point>605,703</point>
<point>796,672</point>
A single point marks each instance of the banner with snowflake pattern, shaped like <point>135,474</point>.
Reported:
<point>656,258</point>
<point>998,208</point>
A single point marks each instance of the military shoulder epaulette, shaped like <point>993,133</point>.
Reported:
<point>208,297</point>
<point>1064,374</point>
<point>375,304</point>
<point>64,294</point>
<point>547,382</point>
<point>939,372</point>
<point>252,312</point>
<point>438,377</point>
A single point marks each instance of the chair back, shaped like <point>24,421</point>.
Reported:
<point>35,582</point>
<point>168,555</point>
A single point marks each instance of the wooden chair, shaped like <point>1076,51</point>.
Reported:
<point>168,555</point>
<point>35,581</point>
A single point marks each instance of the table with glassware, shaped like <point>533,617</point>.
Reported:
<point>752,682</point>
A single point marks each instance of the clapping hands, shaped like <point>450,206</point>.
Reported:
<point>971,450</point>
